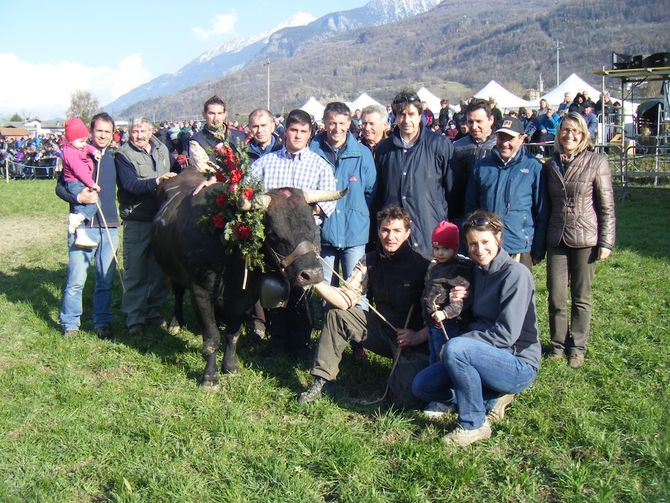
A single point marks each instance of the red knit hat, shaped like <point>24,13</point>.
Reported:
<point>446,235</point>
<point>75,129</point>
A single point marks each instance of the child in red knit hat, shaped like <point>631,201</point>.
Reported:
<point>78,174</point>
<point>447,270</point>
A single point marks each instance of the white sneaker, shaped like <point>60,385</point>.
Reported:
<point>497,412</point>
<point>462,437</point>
<point>83,241</point>
<point>435,410</point>
<point>74,220</point>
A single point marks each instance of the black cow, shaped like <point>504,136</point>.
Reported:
<point>196,260</point>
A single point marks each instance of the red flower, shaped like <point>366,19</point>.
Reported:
<point>182,160</point>
<point>236,175</point>
<point>221,200</point>
<point>242,232</point>
<point>220,177</point>
<point>248,193</point>
<point>219,221</point>
<point>232,188</point>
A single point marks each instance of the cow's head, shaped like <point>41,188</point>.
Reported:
<point>292,238</point>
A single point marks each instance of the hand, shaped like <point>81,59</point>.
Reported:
<point>457,294</point>
<point>164,177</point>
<point>203,184</point>
<point>97,156</point>
<point>95,187</point>
<point>603,253</point>
<point>87,196</point>
<point>406,337</point>
<point>439,316</point>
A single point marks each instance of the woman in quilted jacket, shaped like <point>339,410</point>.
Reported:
<point>581,231</point>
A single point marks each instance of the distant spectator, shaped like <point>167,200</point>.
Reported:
<point>565,105</point>
<point>445,115</point>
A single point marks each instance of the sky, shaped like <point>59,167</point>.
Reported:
<point>52,48</point>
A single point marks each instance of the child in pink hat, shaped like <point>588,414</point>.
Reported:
<point>446,271</point>
<point>78,167</point>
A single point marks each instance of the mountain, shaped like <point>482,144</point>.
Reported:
<point>283,42</point>
<point>469,43</point>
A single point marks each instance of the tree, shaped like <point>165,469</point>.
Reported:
<point>84,105</point>
<point>15,118</point>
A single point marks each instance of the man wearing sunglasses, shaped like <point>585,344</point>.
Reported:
<point>412,169</point>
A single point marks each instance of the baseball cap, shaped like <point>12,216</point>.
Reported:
<point>510,125</point>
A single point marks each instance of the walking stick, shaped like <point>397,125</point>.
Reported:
<point>111,245</point>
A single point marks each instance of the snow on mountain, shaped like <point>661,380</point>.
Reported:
<point>282,41</point>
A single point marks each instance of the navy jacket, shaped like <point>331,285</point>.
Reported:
<point>415,179</point>
<point>517,192</point>
<point>105,175</point>
<point>354,169</point>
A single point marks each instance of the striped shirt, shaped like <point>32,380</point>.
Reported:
<point>303,170</point>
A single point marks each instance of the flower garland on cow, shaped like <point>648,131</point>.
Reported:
<point>238,230</point>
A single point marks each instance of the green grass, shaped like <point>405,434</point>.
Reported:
<point>83,419</point>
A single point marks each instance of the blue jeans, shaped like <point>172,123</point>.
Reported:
<point>347,257</point>
<point>436,338</point>
<point>79,260</point>
<point>478,374</point>
<point>89,210</point>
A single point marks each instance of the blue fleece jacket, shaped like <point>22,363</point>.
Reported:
<point>354,168</point>
<point>503,308</point>
<point>517,192</point>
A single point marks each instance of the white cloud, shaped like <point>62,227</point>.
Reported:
<point>43,90</point>
<point>222,24</point>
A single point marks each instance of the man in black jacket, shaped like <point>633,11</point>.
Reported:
<point>412,171</point>
<point>79,259</point>
<point>392,277</point>
<point>215,129</point>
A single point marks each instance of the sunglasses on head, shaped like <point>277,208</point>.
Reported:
<point>412,98</point>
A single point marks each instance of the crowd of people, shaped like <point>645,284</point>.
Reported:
<point>436,239</point>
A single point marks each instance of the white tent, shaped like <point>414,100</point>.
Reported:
<point>573,85</point>
<point>313,108</point>
<point>431,100</point>
<point>504,98</point>
<point>363,101</point>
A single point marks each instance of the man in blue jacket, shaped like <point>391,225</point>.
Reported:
<point>345,233</point>
<point>509,182</point>
<point>412,170</point>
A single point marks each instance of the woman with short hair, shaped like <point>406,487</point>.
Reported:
<point>498,353</point>
<point>581,230</point>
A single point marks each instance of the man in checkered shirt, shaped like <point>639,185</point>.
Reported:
<point>295,165</point>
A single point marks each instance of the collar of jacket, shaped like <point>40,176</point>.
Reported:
<point>397,140</point>
<point>514,160</point>
<point>253,145</point>
<point>497,263</point>
<point>401,254</point>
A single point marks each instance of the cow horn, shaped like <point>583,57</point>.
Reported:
<point>261,201</point>
<point>316,196</point>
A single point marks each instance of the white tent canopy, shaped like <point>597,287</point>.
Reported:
<point>363,101</point>
<point>313,108</point>
<point>573,85</point>
<point>431,100</point>
<point>505,98</point>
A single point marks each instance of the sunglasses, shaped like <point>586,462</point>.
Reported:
<point>482,222</point>
<point>412,98</point>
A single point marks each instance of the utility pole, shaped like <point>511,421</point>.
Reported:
<point>558,63</point>
<point>267,63</point>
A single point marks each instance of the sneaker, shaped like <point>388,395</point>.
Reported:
<point>74,220</point>
<point>318,388</point>
<point>435,410</point>
<point>556,354</point>
<point>576,360</point>
<point>497,412</point>
<point>462,437</point>
<point>83,241</point>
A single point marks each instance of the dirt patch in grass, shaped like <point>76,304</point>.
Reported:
<point>21,233</point>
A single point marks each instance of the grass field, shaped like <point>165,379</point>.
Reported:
<point>83,419</point>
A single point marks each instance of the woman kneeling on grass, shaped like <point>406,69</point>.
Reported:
<point>498,353</point>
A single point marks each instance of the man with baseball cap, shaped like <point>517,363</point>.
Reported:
<point>509,182</point>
